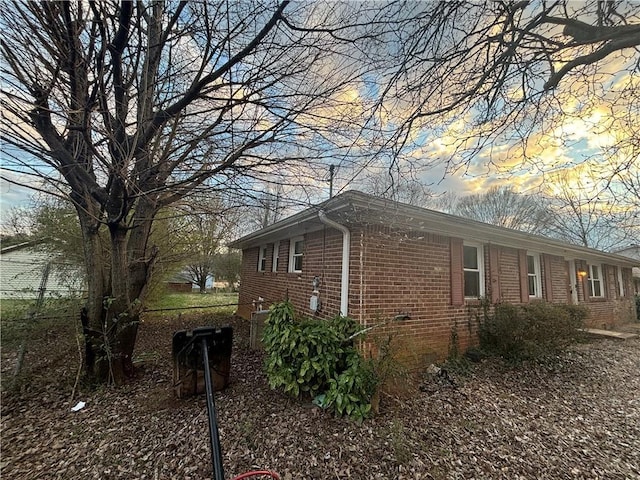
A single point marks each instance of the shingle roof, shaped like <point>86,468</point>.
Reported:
<point>357,208</point>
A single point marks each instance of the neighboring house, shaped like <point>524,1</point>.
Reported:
<point>633,251</point>
<point>28,272</point>
<point>180,282</point>
<point>374,260</point>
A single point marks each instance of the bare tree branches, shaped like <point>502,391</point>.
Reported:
<point>481,75</point>
<point>132,106</point>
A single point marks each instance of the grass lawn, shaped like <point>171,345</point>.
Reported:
<point>224,303</point>
<point>18,322</point>
<point>175,303</point>
<point>20,319</point>
<point>19,308</point>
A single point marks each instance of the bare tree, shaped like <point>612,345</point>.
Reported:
<point>16,227</point>
<point>582,215</point>
<point>201,226</point>
<point>268,208</point>
<point>505,207</point>
<point>399,187</point>
<point>226,266</point>
<point>127,107</point>
<point>501,84</point>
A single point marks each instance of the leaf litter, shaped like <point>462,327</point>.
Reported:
<point>573,417</point>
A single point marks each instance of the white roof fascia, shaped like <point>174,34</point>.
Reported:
<point>429,221</point>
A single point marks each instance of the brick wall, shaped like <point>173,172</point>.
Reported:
<point>509,271</point>
<point>409,273</point>
<point>322,257</point>
<point>561,284</point>
<point>396,272</point>
<point>612,309</point>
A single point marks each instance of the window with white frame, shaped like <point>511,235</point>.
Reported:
<point>473,263</point>
<point>276,257</point>
<point>595,281</point>
<point>296,252</point>
<point>533,273</point>
<point>262,259</point>
<point>620,282</point>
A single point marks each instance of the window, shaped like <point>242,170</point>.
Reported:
<point>296,251</point>
<point>276,254</point>
<point>595,281</point>
<point>473,262</point>
<point>620,282</point>
<point>262,259</point>
<point>533,272</point>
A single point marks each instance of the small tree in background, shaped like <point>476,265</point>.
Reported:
<point>226,267</point>
<point>202,225</point>
<point>504,207</point>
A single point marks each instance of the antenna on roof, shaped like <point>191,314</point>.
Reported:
<point>331,172</point>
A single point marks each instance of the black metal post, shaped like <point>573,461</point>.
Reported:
<point>216,451</point>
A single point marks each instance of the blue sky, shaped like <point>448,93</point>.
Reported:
<point>570,145</point>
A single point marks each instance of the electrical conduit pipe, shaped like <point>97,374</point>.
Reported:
<point>346,249</point>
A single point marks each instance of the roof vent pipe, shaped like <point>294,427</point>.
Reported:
<point>346,249</point>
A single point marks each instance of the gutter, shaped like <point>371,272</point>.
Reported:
<point>346,250</point>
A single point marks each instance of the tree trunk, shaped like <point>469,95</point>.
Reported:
<point>118,274</point>
<point>110,320</point>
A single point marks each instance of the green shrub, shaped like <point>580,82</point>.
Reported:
<point>351,390</point>
<point>518,332</point>
<point>317,357</point>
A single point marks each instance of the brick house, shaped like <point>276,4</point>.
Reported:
<point>374,259</point>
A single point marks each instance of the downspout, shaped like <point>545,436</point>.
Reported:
<point>346,250</point>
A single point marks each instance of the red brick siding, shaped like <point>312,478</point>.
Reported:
<point>611,310</point>
<point>509,271</point>
<point>276,286</point>
<point>555,274</point>
<point>560,279</point>
<point>418,284</point>
<point>547,277</point>
<point>394,271</point>
<point>611,280</point>
<point>524,278</point>
<point>493,287</point>
<point>457,271</point>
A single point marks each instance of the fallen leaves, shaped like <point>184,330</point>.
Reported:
<point>576,417</point>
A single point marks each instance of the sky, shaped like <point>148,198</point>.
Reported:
<point>573,143</point>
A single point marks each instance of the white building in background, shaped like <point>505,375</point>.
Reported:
<point>28,272</point>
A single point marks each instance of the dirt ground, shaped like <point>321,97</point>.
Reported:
<point>577,417</point>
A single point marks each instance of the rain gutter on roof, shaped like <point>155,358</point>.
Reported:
<point>451,225</point>
<point>434,222</point>
<point>258,237</point>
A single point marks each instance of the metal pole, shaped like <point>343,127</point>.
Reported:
<point>331,170</point>
<point>214,437</point>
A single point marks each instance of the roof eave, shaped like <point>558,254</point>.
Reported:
<point>278,229</point>
<point>429,221</point>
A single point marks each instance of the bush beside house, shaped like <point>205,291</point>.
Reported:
<point>519,332</point>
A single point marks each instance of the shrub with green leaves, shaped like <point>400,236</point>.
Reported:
<point>519,332</point>
<point>350,391</point>
<point>318,358</point>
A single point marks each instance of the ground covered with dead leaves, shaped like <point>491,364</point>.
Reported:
<point>575,417</point>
